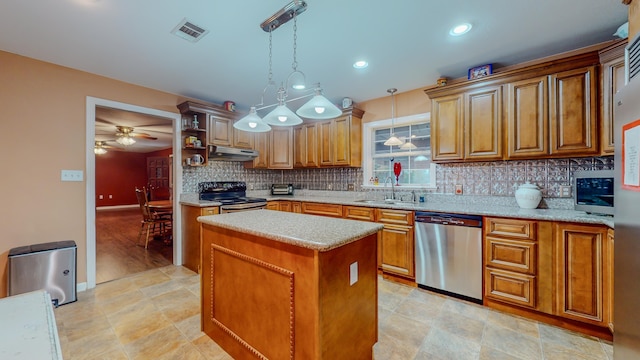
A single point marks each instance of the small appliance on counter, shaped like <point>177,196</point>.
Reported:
<point>593,191</point>
<point>282,189</point>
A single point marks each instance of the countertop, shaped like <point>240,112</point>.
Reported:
<point>308,231</point>
<point>499,206</point>
<point>28,327</point>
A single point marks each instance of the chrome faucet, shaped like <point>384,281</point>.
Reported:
<point>393,190</point>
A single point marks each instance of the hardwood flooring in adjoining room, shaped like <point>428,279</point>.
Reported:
<point>117,252</point>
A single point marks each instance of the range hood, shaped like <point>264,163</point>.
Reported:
<point>224,153</point>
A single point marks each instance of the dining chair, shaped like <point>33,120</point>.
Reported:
<point>155,223</point>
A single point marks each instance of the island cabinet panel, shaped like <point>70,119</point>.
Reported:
<point>580,253</point>
<point>572,109</point>
<point>272,300</point>
<point>483,124</point>
<point>447,134</point>
<point>527,118</point>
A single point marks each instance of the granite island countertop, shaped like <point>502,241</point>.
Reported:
<point>308,231</point>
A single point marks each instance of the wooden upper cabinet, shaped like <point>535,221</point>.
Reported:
<point>447,134</point>
<point>305,145</point>
<point>261,144</point>
<point>340,140</point>
<point>526,118</point>
<point>220,130</point>
<point>580,253</point>
<point>242,139</point>
<point>613,79</point>
<point>572,112</point>
<point>281,148</point>
<point>483,124</point>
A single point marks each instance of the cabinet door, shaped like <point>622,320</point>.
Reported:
<point>341,143</point>
<point>510,287</point>
<point>261,144</point>
<point>396,250</point>
<point>242,139</point>
<point>612,81</point>
<point>284,205</point>
<point>526,118</point>
<point>608,267</point>
<point>281,148</point>
<point>579,265</point>
<point>447,133</point>
<point>220,131</point>
<point>299,146</point>
<point>311,152</point>
<point>296,207</point>
<point>572,109</point>
<point>325,151</point>
<point>273,205</point>
<point>483,124</point>
<point>333,210</point>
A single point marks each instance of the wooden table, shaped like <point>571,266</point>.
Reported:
<point>161,205</point>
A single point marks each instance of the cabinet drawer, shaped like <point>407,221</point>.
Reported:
<point>399,217</point>
<point>212,210</point>
<point>511,255</point>
<point>510,287</point>
<point>513,228</point>
<point>359,213</point>
<point>322,209</point>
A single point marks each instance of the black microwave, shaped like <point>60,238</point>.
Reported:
<point>593,191</point>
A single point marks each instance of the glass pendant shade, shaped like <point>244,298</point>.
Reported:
<point>282,116</point>
<point>296,80</point>
<point>408,146</point>
<point>125,140</point>
<point>319,108</point>
<point>393,141</point>
<point>252,122</point>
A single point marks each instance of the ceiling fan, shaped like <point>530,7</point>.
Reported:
<point>125,135</point>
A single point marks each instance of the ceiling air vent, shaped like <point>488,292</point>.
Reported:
<point>632,58</point>
<point>189,31</point>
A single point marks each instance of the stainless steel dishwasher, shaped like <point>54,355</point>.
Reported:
<point>449,254</point>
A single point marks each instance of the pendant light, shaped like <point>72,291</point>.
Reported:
<point>252,122</point>
<point>282,115</point>
<point>408,145</point>
<point>393,139</point>
<point>319,107</point>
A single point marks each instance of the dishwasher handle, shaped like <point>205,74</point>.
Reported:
<point>448,219</point>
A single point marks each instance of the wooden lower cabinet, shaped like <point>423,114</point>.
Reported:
<point>396,244</point>
<point>580,253</point>
<point>191,234</point>
<point>273,205</point>
<point>334,210</point>
<point>555,272</point>
<point>358,213</point>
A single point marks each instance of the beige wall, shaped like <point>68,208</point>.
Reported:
<point>42,131</point>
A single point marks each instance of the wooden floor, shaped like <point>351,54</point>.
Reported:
<point>117,254</point>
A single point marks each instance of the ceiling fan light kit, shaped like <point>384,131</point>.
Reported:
<point>317,108</point>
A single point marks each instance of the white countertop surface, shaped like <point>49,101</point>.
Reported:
<point>28,327</point>
<point>309,231</point>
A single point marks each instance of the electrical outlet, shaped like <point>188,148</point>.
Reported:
<point>353,273</point>
<point>458,190</point>
<point>329,186</point>
<point>250,186</point>
<point>565,190</point>
<point>71,175</point>
<point>351,187</point>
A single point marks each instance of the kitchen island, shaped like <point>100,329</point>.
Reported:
<point>278,285</point>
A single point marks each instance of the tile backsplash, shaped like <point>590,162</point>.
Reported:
<point>496,178</point>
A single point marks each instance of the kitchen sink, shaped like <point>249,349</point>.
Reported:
<point>382,202</point>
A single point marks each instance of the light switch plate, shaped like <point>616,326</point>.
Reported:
<point>353,273</point>
<point>71,175</point>
<point>565,190</point>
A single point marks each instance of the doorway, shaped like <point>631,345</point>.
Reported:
<point>91,105</point>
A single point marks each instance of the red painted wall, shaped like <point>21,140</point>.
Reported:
<point>118,173</point>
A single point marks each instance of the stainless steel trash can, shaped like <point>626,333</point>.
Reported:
<point>48,266</point>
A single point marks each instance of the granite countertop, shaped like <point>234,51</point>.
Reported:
<point>308,231</point>
<point>499,206</point>
<point>485,209</point>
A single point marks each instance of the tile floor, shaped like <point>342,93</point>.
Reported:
<point>156,315</point>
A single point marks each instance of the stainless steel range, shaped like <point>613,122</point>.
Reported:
<point>232,195</point>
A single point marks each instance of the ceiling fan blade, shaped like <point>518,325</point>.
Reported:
<point>143,136</point>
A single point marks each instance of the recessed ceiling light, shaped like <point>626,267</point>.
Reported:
<point>361,64</point>
<point>460,29</point>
